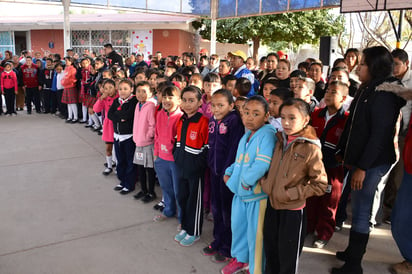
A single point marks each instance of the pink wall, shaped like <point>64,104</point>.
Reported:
<point>172,42</point>
<point>40,41</point>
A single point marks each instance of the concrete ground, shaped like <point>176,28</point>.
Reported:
<point>59,214</point>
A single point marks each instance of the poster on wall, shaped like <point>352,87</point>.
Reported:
<point>142,42</point>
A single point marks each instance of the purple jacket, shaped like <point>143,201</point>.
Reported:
<point>224,137</point>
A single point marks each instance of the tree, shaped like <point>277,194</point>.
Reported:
<point>297,28</point>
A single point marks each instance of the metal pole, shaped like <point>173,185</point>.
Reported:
<point>398,42</point>
<point>213,13</point>
<point>66,26</point>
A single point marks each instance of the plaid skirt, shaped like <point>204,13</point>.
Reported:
<point>89,100</point>
<point>70,96</point>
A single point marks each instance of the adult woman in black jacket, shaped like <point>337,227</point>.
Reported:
<point>367,147</point>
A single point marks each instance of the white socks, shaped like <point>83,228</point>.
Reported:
<point>109,161</point>
<point>72,111</point>
<point>84,111</point>
<point>95,120</point>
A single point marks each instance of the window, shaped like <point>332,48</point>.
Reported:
<point>93,40</point>
<point>6,41</point>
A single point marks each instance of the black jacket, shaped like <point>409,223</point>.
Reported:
<point>368,138</point>
<point>122,117</point>
<point>115,58</point>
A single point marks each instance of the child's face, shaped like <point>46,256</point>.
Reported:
<point>109,89</point>
<point>169,71</point>
<point>224,68</point>
<point>315,72</point>
<point>293,83</point>
<point>125,90</point>
<point>267,88</point>
<point>339,76</point>
<point>85,63</point>
<point>190,104</point>
<point>292,120</point>
<point>196,82</point>
<point>140,77</point>
<point>29,62</point>
<point>274,104</point>
<point>106,75</point>
<point>254,115</point>
<point>98,65</point>
<point>302,91</point>
<point>49,63</point>
<point>152,81</point>
<point>7,68</point>
<point>143,93</point>
<point>210,88</point>
<point>334,96</point>
<point>220,106</point>
<point>239,106</point>
<point>59,69</point>
<point>230,85</point>
<point>282,71</point>
<point>170,103</point>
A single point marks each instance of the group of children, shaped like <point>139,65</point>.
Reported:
<point>261,165</point>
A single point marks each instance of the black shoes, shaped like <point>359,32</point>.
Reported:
<point>107,171</point>
<point>125,191</point>
<point>118,188</point>
<point>149,198</point>
<point>140,195</point>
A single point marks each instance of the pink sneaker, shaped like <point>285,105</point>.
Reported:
<point>233,266</point>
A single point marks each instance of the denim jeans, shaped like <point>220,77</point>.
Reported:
<point>362,200</point>
<point>168,176</point>
<point>402,218</point>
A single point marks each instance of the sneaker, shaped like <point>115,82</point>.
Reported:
<point>208,251</point>
<point>159,218</point>
<point>107,171</point>
<point>158,205</point>
<point>180,236</point>
<point>148,198</point>
<point>113,164</point>
<point>189,240</point>
<point>404,267</point>
<point>118,188</point>
<point>234,266</point>
<point>219,258</point>
<point>319,243</point>
<point>140,195</point>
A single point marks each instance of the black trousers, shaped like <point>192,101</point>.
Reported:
<point>144,174</point>
<point>53,101</point>
<point>284,234</point>
<point>62,106</point>
<point>32,95</point>
<point>10,98</point>
<point>45,99</point>
<point>190,199</point>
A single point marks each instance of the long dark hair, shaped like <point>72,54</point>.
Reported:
<point>379,61</point>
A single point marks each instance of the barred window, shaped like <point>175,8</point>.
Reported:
<point>6,41</point>
<point>93,40</point>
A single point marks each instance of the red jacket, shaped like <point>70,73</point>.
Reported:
<point>30,75</point>
<point>192,145</point>
<point>69,79</point>
<point>8,80</point>
<point>330,133</point>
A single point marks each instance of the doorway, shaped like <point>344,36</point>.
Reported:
<point>20,41</point>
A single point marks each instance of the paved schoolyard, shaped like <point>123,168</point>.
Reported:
<point>58,214</point>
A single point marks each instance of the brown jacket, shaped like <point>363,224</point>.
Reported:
<point>296,171</point>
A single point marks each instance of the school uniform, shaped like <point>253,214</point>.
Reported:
<point>249,201</point>
<point>9,88</point>
<point>165,166</point>
<point>321,210</point>
<point>191,159</point>
<point>70,92</point>
<point>122,115</point>
<point>224,137</point>
<point>31,82</point>
<point>104,106</point>
<point>46,80</point>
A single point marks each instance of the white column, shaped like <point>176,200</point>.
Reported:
<point>213,15</point>
<point>66,25</point>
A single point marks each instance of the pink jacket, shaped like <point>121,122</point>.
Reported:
<point>206,108</point>
<point>104,105</point>
<point>166,131</point>
<point>69,79</point>
<point>144,123</point>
